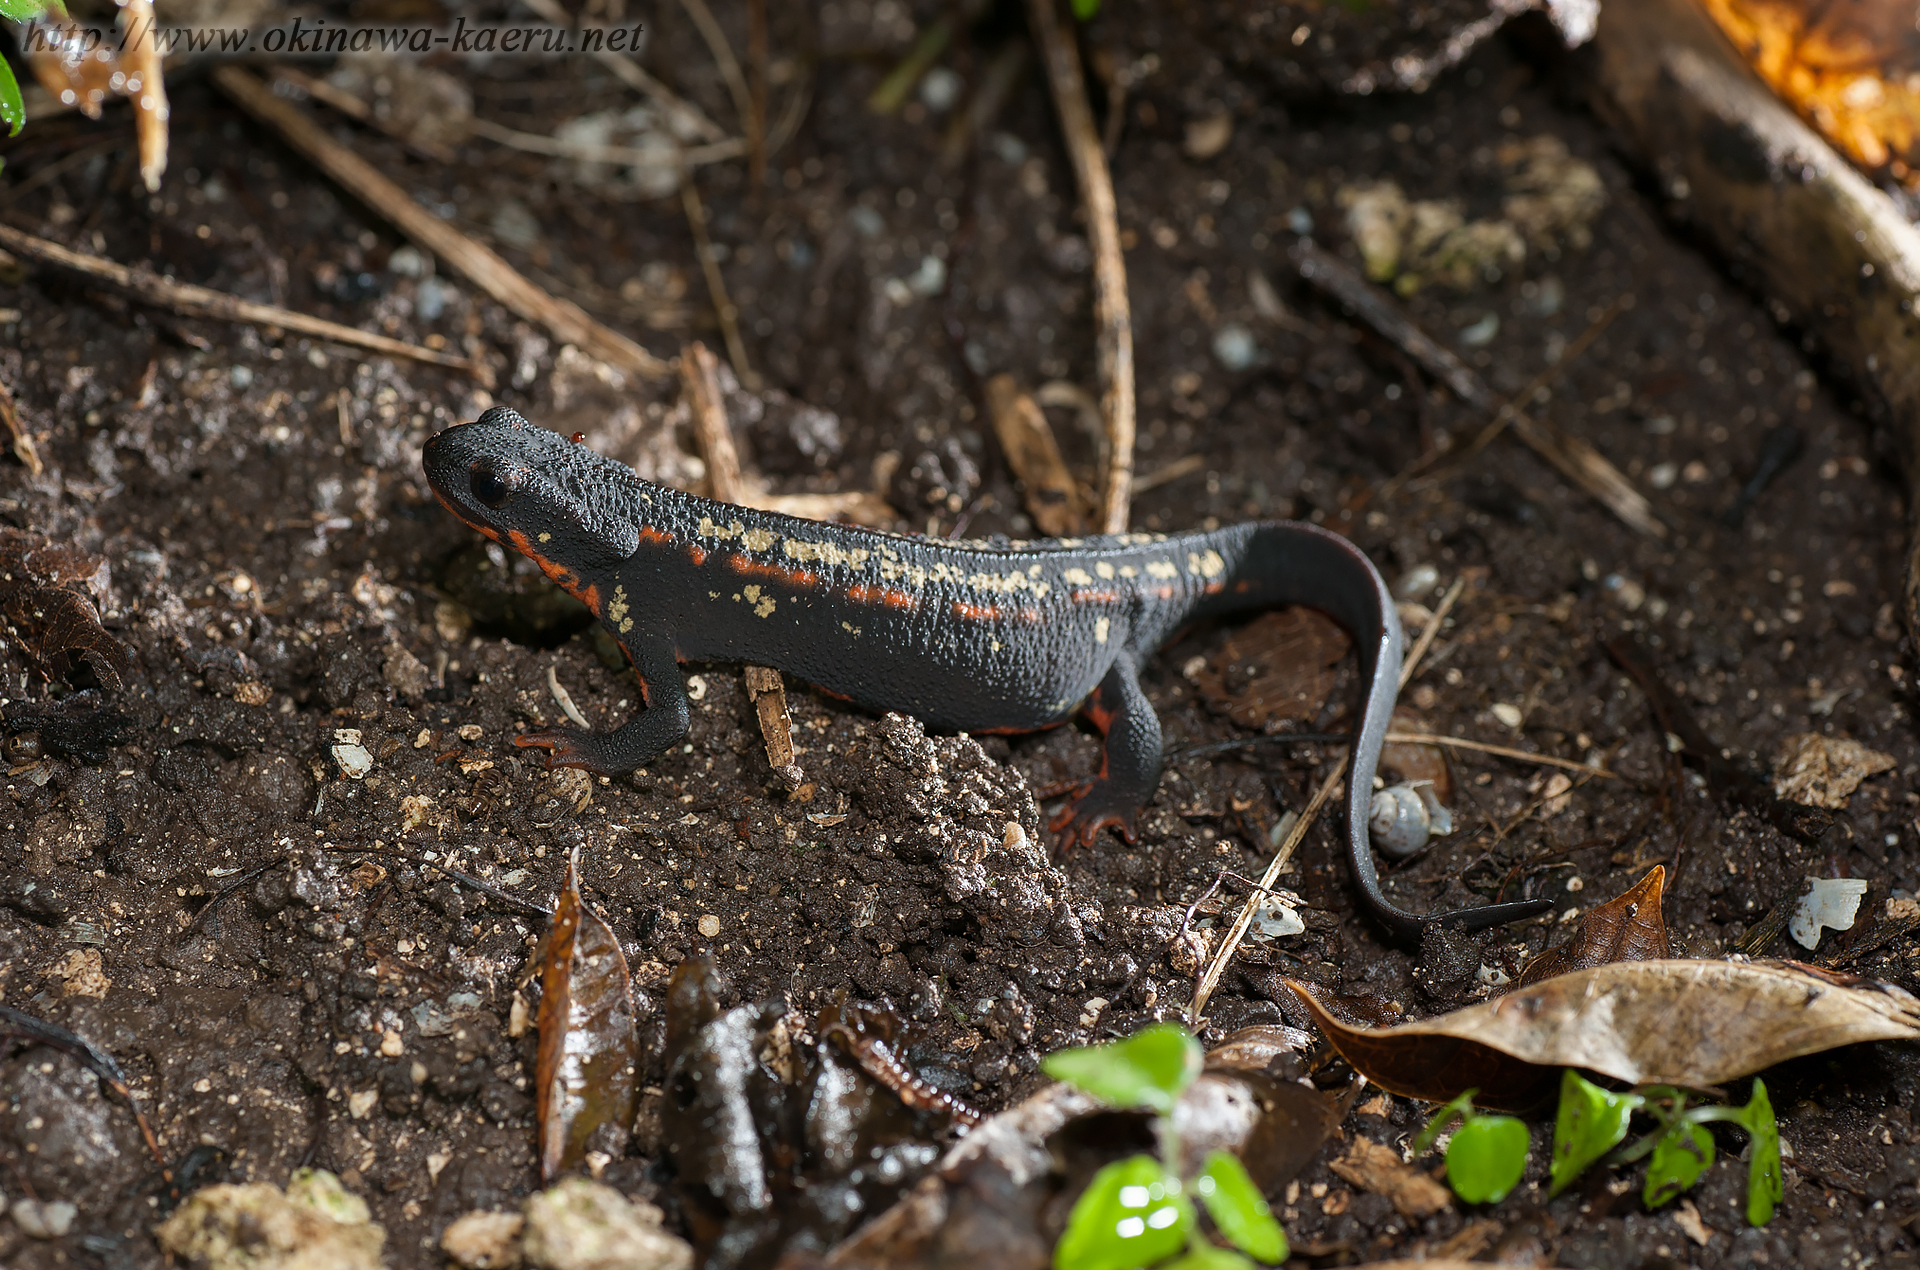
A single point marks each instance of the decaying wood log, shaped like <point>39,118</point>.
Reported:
<point>1829,251</point>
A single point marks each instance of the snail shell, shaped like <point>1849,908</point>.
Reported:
<point>1405,816</point>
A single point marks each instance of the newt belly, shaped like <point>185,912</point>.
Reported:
<point>966,636</point>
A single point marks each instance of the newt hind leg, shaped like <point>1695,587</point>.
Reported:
<point>662,720</point>
<point>1130,762</point>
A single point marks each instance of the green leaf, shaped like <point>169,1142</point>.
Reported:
<point>1461,1106</point>
<point>1202,1256</point>
<point>1681,1155</point>
<point>13,111</point>
<point>1148,1069</point>
<point>21,10</point>
<point>1764,1184</point>
<point>1131,1214</point>
<point>1591,1123</point>
<point>1239,1210</point>
<point>1486,1157</point>
<point>1085,10</point>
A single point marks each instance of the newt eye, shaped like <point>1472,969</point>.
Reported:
<point>488,489</point>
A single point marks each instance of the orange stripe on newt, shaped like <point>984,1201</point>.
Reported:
<point>1095,597</point>
<point>860,593</point>
<point>649,534</point>
<point>977,612</point>
<point>696,553</point>
<point>561,575</point>
<point>778,573</point>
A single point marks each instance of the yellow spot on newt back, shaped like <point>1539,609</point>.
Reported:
<point>754,539</point>
<point>762,604</point>
<point>545,536</point>
<point>1206,564</point>
<point>1162,569</point>
<point>1100,631</point>
<point>1104,569</point>
<point>849,628</point>
<point>829,553</point>
<point>714,595</point>
<point>1079,577</point>
<point>1128,571</point>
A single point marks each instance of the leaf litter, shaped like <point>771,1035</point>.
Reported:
<point>1694,1024</point>
<point>587,1064</point>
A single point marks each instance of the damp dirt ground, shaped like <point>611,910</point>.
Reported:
<point>288,980</point>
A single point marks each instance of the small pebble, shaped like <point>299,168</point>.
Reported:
<point>1300,221</point>
<point>409,262</point>
<point>1507,714</point>
<point>709,925</point>
<point>1416,582</point>
<point>484,1241</point>
<point>930,278</point>
<point>39,1220</point>
<point>241,377</point>
<point>430,299</point>
<point>1209,136</point>
<point>1481,333</point>
<point>354,760</point>
<point>865,221</point>
<point>1663,475</point>
<point>940,90</point>
<point>1233,345</point>
<point>1831,903</point>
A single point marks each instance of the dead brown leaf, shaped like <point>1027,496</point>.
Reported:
<point>1628,927</point>
<point>1026,438</point>
<point>587,1066</point>
<point>46,603</point>
<point>1377,1168</point>
<point>1415,761</point>
<point>1674,1022</point>
<point>1278,666</point>
<point>1823,771</point>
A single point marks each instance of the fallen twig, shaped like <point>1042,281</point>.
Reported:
<point>535,143</point>
<point>723,307</point>
<point>479,264</point>
<point>1579,462</point>
<point>19,1025</point>
<point>354,108</point>
<point>195,301</point>
<point>699,377</point>
<point>1203,989</point>
<point>1504,751</point>
<point>1430,632</point>
<point>1112,315</point>
<point>723,57</point>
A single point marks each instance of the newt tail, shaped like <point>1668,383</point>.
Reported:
<point>966,636</point>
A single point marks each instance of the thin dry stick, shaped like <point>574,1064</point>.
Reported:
<point>700,379</point>
<point>23,447</point>
<point>568,322</point>
<point>1579,462</point>
<point>717,285</point>
<point>756,123</point>
<point>535,143</point>
<point>1429,632</point>
<point>723,57</point>
<point>359,111</point>
<point>635,76</point>
<point>192,301</point>
<point>1203,990</point>
<point>1481,747</point>
<point>1112,315</point>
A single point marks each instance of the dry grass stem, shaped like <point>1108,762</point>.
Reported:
<point>1112,315</point>
<point>479,264</point>
<point>193,301</point>
<point>1203,990</point>
<point>1430,632</point>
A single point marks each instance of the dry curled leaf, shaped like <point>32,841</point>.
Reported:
<point>1373,1167</point>
<point>1673,1022</point>
<point>588,1060</point>
<point>1823,771</point>
<point>1278,666</point>
<point>47,592</point>
<point>1628,927</point>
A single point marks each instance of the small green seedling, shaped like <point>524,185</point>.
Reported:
<point>1486,1155</point>
<point>13,111</point>
<point>1139,1211</point>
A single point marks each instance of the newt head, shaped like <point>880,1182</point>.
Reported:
<point>566,508</point>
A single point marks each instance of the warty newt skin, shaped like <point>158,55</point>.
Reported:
<point>965,636</point>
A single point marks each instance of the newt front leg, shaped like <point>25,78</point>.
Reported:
<point>1129,764</point>
<point>662,720</point>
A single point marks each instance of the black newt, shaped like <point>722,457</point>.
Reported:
<point>965,636</point>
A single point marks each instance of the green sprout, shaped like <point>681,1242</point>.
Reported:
<point>1488,1153</point>
<point>13,111</point>
<point>1140,1211</point>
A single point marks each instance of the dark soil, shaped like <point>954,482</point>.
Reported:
<point>261,504</point>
